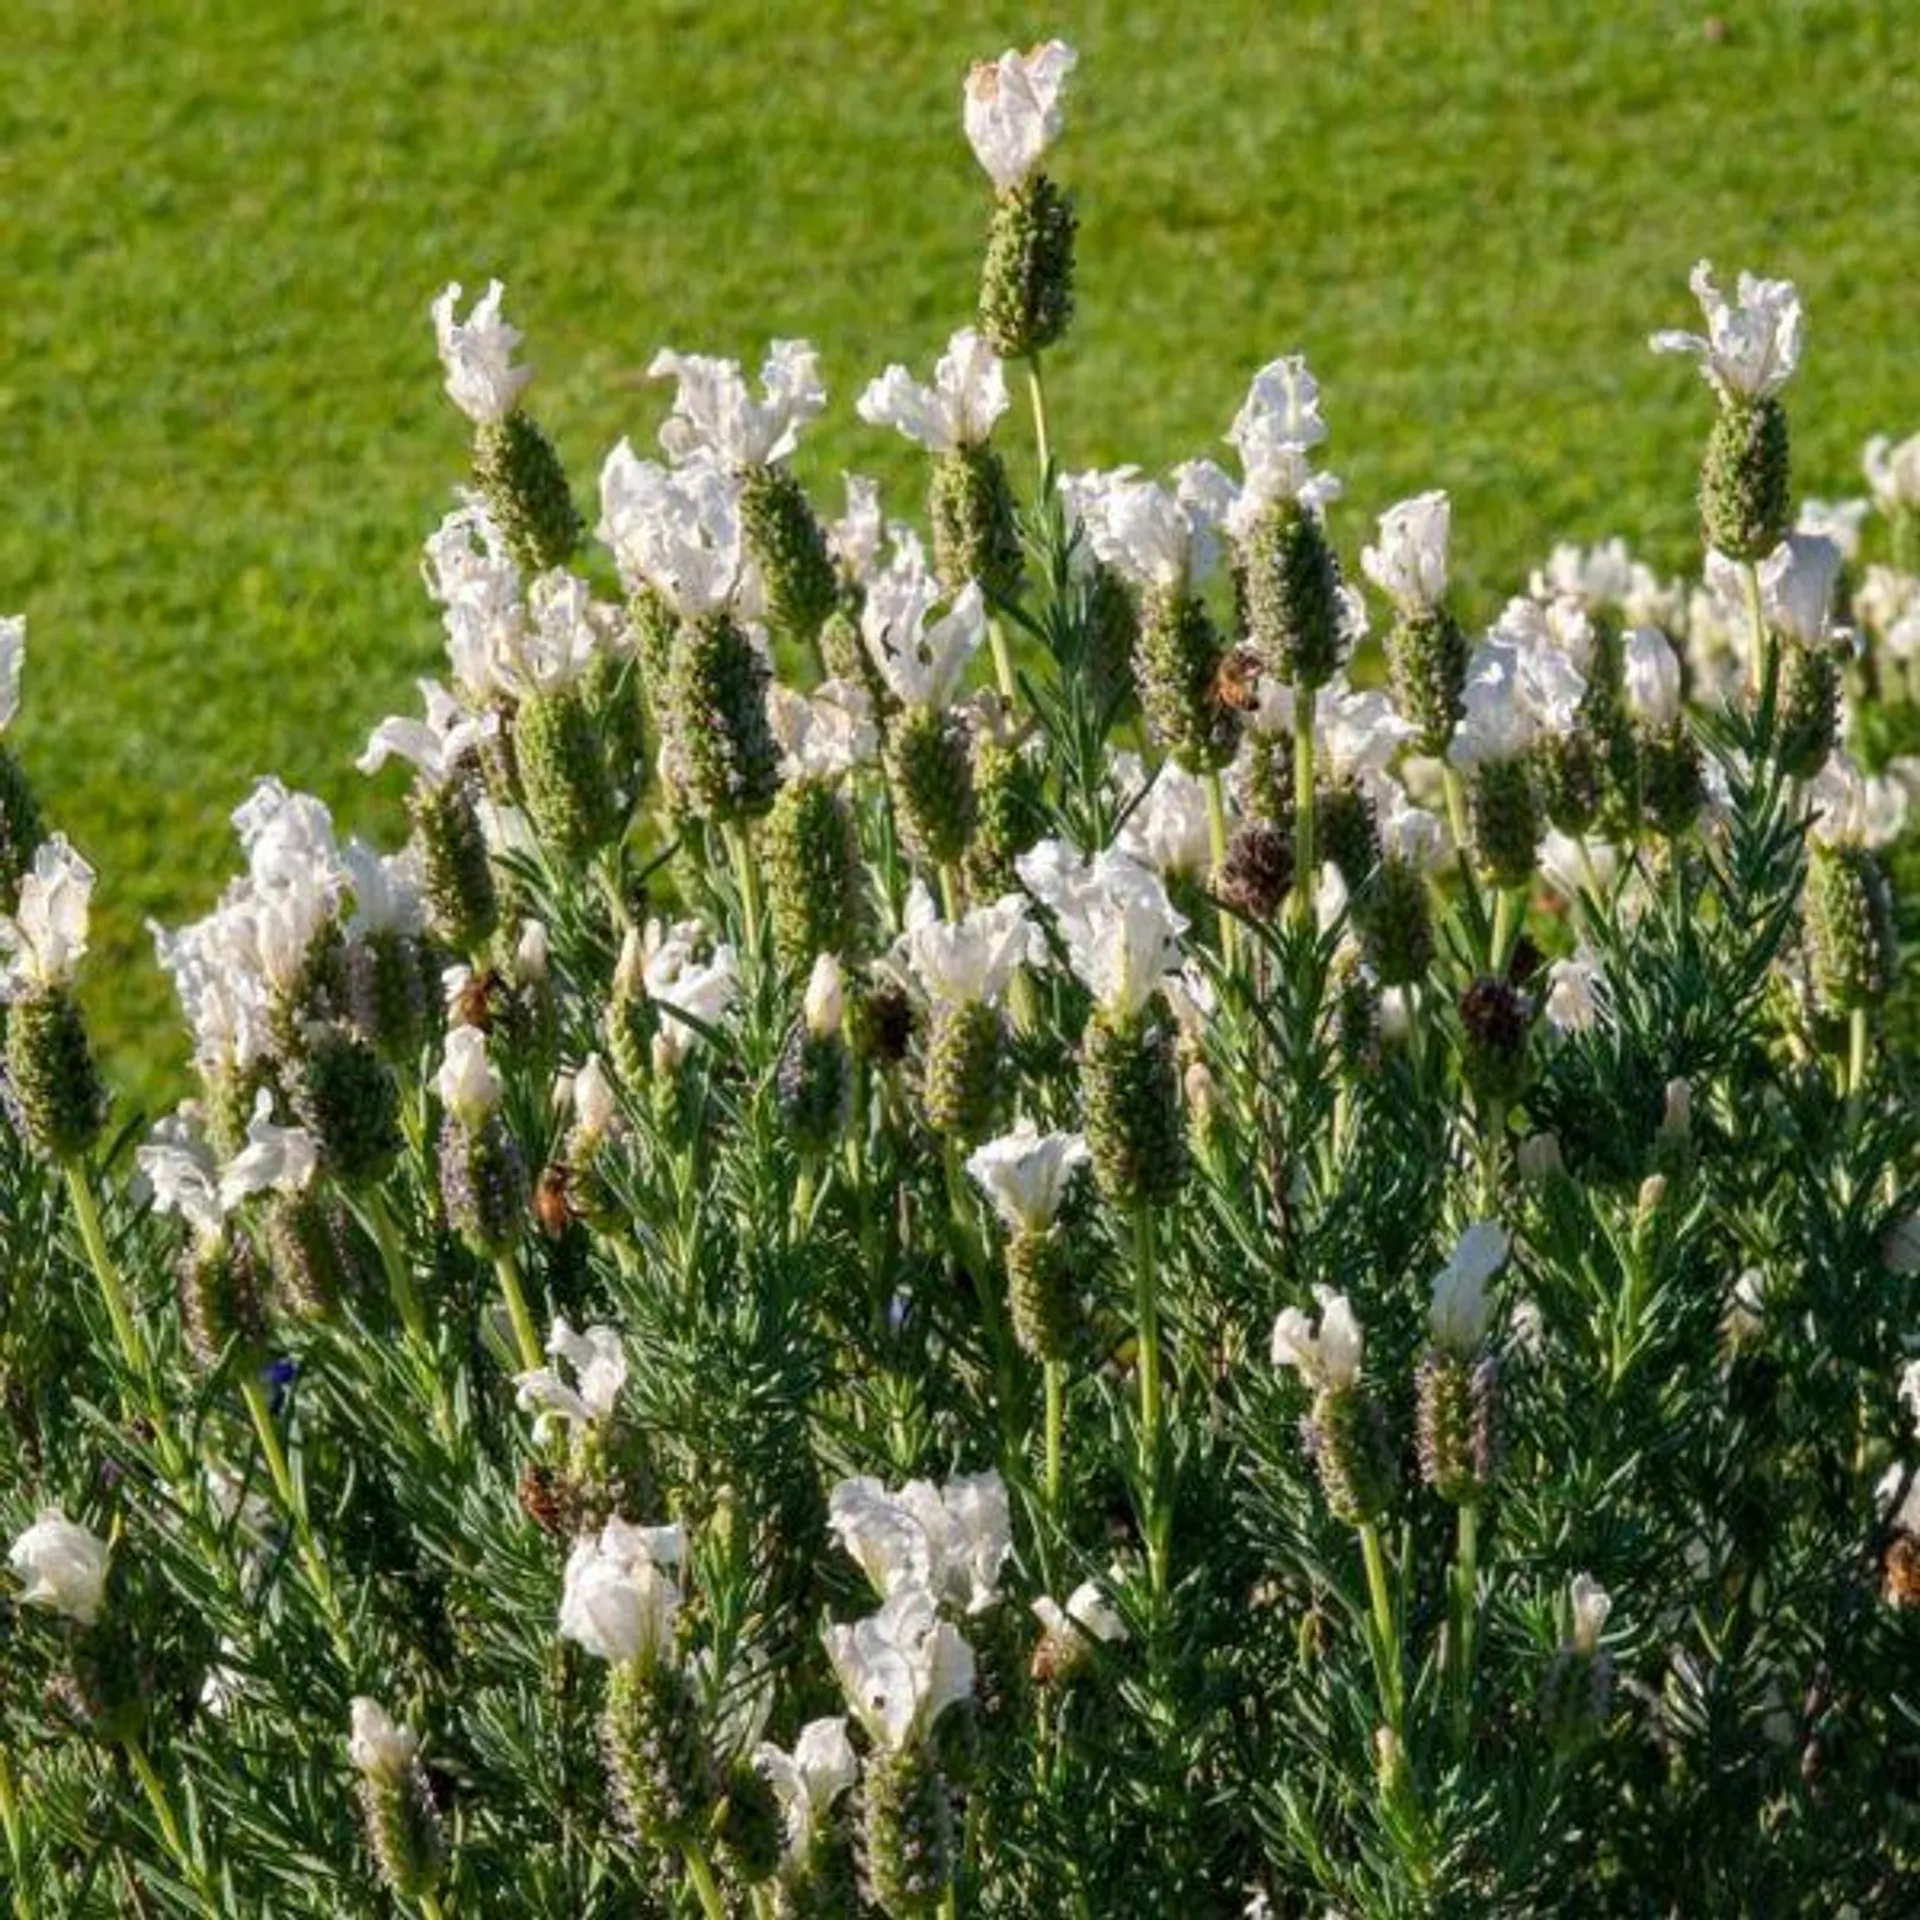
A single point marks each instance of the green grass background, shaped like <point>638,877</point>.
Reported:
<point>221,430</point>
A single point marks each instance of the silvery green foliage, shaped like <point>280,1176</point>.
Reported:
<point>1406,1214</point>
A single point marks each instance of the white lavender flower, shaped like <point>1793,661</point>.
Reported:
<point>620,1600</point>
<point>921,653</point>
<point>1590,1604</point>
<point>1840,521</point>
<point>477,352</point>
<point>180,1174</point>
<point>1414,836</point>
<point>966,961</point>
<point>1410,561</point>
<point>827,732</point>
<point>599,1365</point>
<point>1025,1174</point>
<point>1796,583</point>
<point>1853,808</point>
<point>1515,695</point>
<point>1013,109</point>
<point>824,1005</point>
<point>1574,993</point>
<point>63,1565</point>
<point>1461,1312</point>
<point>807,1781</point>
<point>716,418</point>
<point>45,937</point>
<point>699,993</point>
<point>1751,345</point>
<point>1328,1356</point>
<point>1162,538</point>
<point>676,530</point>
<point>1088,1615</point>
<point>1277,426</point>
<point>901,1669</point>
<point>950,1542</point>
<point>856,538</point>
<point>968,394</point>
<point>1650,673</point>
<point>1893,472</point>
<point>13,657</point>
<point>1168,829</point>
<point>1886,603</point>
<point>1121,931</point>
<point>387,889</point>
<point>379,1746</point>
<point>596,1110</point>
<point>275,1159</point>
<point>467,1084</point>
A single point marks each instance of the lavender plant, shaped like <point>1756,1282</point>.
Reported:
<point>1205,1270</point>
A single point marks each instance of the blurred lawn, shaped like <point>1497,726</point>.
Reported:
<point>221,430</point>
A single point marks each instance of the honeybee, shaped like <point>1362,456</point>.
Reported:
<point>1236,680</point>
<point>478,1001</point>
<point>552,1203</point>
<point>1900,1570</point>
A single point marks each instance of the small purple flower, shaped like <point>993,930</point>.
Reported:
<point>279,1376</point>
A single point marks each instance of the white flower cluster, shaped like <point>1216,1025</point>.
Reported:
<point>63,1567</point>
<point>922,1548</point>
<point>1121,931</point>
<point>599,1365</point>
<point>968,961</point>
<point>1013,109</point>
<point>477,352</point>
<point>235,968</point>
<point>621,1599</point>
<point>185,1178</point>
<point>45,937</point>
<point>1025,1174</point>
<point>968,394</point>
<point>692,980</point>
<point>1752,343</point>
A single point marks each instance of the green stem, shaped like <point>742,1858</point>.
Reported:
<point>747,875</point>
<point>950,890</point>
<point>1217,851</point>
<point>393,1257</point>
<point>1146,1286</point>
<point>1055,1375</point>
<point>133,1348</point>
<point>169,1824</point>
<point>1466,1604</point>
<point>294,1506</point>
<point>704,1884</point>
<point>1002,661</point>
<point>1857,1043</point>
<point>1037,393</point>
<point>1493,1157</point>
<point>1306,878</point>
<point>533,1355</point>
<point>978,1258</point>
<point>1509,916</point>
<point>430,1907</point>
<point>127,1332</point>
<point>406,1303</point>
<point>16,1843</point>
<point>1760,668</point>
<point>1385,1635</point>
<point>1456,791</point>
<point>803,1189</point>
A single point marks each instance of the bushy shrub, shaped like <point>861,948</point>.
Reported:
<point>1229,1272</point>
